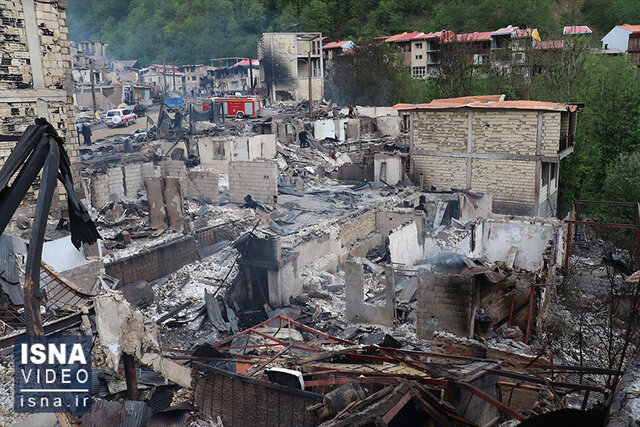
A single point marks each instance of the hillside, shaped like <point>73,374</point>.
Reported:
<point>194,31</point>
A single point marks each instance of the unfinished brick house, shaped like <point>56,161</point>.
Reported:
<point>508,149</point>
<point>284,65</point>
<point>35,73</point>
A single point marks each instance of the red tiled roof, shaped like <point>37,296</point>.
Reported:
<point>469,37</point>
<point>635,29</point>
<point>488,101</point>
<point>549,44</point>
<point>576,29</point>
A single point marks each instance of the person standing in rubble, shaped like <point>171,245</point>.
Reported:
<point>86,133</point>
<point>351,111</point>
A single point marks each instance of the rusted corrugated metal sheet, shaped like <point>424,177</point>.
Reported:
<point>127,413</point>
<point>244,401</point>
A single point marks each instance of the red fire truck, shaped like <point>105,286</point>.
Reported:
<point>237,106</point>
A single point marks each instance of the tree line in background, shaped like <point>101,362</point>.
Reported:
<point>606,161</point>
<point>194,31</point>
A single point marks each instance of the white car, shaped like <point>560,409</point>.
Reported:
<point>121,117</point>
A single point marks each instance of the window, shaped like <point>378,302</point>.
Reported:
<point>418,45</point>
<point>418,56</point>
<point>418,72</point>
<point>193,78</point>
<point>544,173</point>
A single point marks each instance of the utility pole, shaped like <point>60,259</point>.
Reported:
<point>251,74</point>
<point>173,71</point>
<point>93,88</point>
<point>310,90</point>
<point>164,80</point>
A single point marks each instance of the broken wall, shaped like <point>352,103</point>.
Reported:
<point>35,75</point>
<point>258,178</point>
<point>388,168</point>
<point>446,302</point>
<point>404,247</point>
<point>359,311</point>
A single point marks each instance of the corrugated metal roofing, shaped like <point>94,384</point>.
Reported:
<point>245,63</point>
<point>506,30</point>
<point>128,413</point>
<point>635,29</point>
<point>576,29</point>
<point>474,102</point>
<point>404,37</point>
<point>469,37</point>
<point>338,44</point>
<point>549,44</point>
<point>433,35</point>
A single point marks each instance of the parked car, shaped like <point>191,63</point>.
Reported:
<point>121,117</point>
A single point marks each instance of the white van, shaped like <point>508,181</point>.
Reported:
<point>121,117</point>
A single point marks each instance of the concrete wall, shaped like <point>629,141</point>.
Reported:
<point>286,281</point>
<point>355,308</point>
<point>215,152</point>
<point>388,168</point>
<point>617,38</point>
<point>404,247</point>
<point>259,178</point>
<point>254,147</point>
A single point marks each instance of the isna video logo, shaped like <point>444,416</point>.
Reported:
<point>52,374</point>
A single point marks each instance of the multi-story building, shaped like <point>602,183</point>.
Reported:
<point>288,62</point>
<point>235,77</point>
<point>624,39</point>
<point>476,46</point>
<point>508,149</point>
<point>511,48</point>
<point>425,54</point>
<point>402,42</point>
<point>163,76</point>
<point>195,77</point>
<point>333,49</point>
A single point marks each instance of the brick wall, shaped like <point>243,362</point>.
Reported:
<point>445,302</point>
<point>259,178</point>
<point>357,226</point>
<point>155,262</point>
<point>133,179</point>
<point>440,130</point>
<point>203,185</point>
<point>99,190</point>
<point>551,133</point>
<point>444,173</point>
<point>504,132</point>
<point>115,178</point>
<point>387,220</point>
<point>505,180</point>
<point>29,90</point>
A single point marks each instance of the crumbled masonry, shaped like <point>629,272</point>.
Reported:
<point>307,265</point>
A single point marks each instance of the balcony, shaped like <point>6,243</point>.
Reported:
<point>566,142</point>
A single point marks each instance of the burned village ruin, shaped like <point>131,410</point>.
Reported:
<point>299,262</point>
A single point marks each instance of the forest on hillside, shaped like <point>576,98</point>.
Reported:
<point>606,161</point>
<point>194,31</point>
